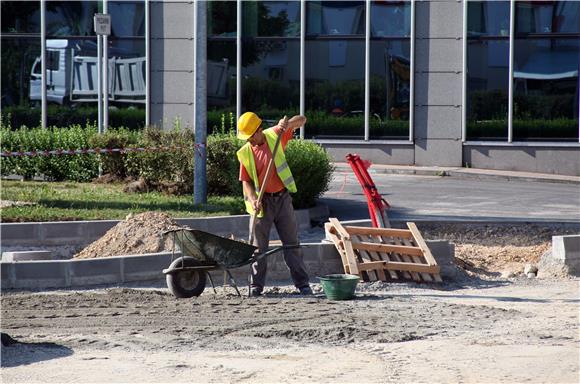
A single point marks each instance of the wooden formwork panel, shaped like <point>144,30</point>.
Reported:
<point>383,253</point>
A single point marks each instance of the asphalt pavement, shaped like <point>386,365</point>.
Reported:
<point>427,194</point>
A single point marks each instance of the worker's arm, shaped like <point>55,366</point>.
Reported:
<point>293,123</point>
<point>250,193</point>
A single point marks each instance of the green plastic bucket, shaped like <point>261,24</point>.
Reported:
<point>339,287</point>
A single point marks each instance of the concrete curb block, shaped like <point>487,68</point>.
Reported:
<point>320,259</point>
<point>81,233</point>
<point>468,173</point>
<point>566,249</point>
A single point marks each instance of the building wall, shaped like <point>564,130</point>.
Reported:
<point>438,45</point>
<point>437,107</point>
<point>172,63</point>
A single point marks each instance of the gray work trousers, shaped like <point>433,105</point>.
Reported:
<point>278,210</point>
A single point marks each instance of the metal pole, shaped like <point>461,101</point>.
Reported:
<point>99,83</point>
<point>238,61</point>
<point>511,72</point>
<point>43,64</point>
<point>367,69</point>
<point>302,61</point>
<point>412,75</point>
<point>464,77</point>
<point>200,106</point>
<point>105,75</point>
<point>147,65</point>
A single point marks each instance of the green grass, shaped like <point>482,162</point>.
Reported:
<point>87,201</point>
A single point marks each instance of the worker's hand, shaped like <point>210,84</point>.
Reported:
<point>256,205</point>
<point>283,124</point>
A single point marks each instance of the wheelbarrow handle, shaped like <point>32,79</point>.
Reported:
<point>274,250</point>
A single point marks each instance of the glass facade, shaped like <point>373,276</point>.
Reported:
<point>545,80</point>
<point>544,74</point>
<point>271,58</point>
<point>545,70</point>
<point>221,65</point>
<point>71,62</point>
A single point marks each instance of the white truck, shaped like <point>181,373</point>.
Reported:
<point>71,76</point>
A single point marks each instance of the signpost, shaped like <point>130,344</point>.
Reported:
<point>102,23</point>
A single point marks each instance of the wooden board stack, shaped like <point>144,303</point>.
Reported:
<point>383,253</point>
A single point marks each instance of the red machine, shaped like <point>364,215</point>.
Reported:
<point>376,204</point>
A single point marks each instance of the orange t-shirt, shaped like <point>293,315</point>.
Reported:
<point>262,156</point>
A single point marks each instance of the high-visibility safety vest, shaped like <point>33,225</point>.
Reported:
<point>246,157</point>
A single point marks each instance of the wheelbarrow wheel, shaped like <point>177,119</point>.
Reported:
<point>188,283</point>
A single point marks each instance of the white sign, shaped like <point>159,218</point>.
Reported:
<point>102,24</point>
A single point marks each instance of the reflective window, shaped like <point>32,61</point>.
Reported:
<point>127,18</point>
<point>335,88</point>
<point>335,18</point>
<point>546,89</point>
<point>271,18</point>
<point>70,18</point>
<point>20,72</point>
<point>488,18</point>
<point>271,80</point>
<point>271,58</point>
<point>221,66</point>
<point>487,89</point>
<point>390,18</point>
<point>547,17</point>
<point>20,16</point>
<point>389,89</point>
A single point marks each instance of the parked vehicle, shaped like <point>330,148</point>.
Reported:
<point>71,75</point>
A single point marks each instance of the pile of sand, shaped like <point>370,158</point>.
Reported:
<point>138,234</point>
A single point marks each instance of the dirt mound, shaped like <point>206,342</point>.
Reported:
<point>135,235</point>
<point>493,250</point>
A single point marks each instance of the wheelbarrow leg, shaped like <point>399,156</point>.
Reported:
<point>233,282</point>
<point>211,282</point>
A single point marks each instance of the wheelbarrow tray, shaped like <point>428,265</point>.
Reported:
<point>212,250</point>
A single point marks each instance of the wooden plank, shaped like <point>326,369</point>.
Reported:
<point>345,237</point>
<point>418,259</point>
<point>365,258</point>
<point>395,257</point>
<point>379,257</point>
<point>354,230</point>
<point>386,248</point>
<point>410,267</point>
<point>339,247</point>
<point>421,243</point>
<point>339,228</point>
<point>403,258</point>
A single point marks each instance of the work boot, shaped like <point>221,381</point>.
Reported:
<point>255,291</point>
<point>305,291</point>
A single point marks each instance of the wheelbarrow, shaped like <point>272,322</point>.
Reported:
<point>202,252</point>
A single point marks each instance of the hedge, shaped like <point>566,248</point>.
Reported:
<point>167,170</point>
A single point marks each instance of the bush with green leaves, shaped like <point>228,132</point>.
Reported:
<point>169,169</point>
<point>312,169</point>
<point>170,163</point>
<point>81,167</point>
<point>222,165</point>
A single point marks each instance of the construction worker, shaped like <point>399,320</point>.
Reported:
<point>276,205</point>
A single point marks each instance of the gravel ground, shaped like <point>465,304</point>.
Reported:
<point>524,330</point>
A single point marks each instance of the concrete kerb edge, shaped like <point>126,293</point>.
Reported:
<point>51,233</point>
<point>467,174</point>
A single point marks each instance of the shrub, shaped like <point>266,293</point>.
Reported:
<point>114,163</point>
<point>82,167</point>
<point>223,166</point>
<point>312,169</point>
<point>165,168</point>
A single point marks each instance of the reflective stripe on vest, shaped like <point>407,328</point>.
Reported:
<point>246,157</point>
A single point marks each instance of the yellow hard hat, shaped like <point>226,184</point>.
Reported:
<point>247,125</point>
